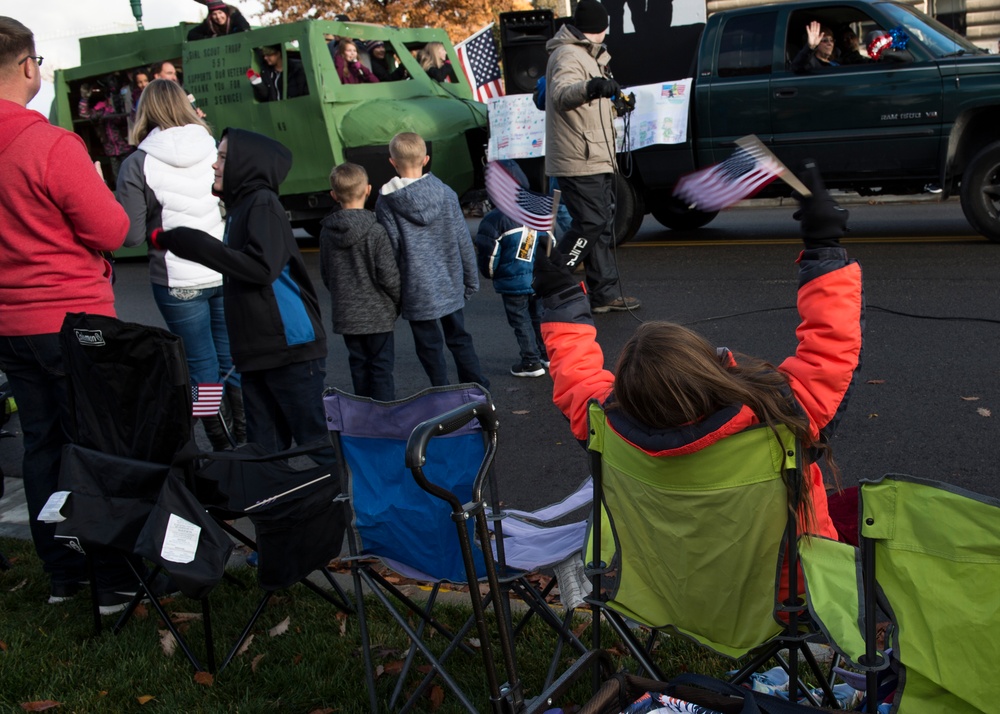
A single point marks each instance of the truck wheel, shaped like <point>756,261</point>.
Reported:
<point>629,210</point>
<point>981,192</point>
<point>673,214</point>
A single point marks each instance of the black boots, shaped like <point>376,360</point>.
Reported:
<point>232,432</point>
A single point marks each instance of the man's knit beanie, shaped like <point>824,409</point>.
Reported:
<point>590,17</point>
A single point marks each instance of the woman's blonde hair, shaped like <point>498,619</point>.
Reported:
<point>668,375</point>
<point>163,105</point>
<point>428,55</point>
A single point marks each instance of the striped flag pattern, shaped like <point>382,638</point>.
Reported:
<point>740,176</point>
<point>518,203</point>
<point>205,399</point>
<point>481,63</point>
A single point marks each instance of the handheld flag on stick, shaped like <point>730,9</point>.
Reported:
<point>534,210</point>
<point>756,147</point>
<point>205,399</point>
<point>481,63</point>
<point>751,167</point>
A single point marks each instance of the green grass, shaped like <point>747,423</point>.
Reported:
<point>50,652</point>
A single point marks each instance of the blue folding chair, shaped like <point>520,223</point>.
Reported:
<point>415,474</point>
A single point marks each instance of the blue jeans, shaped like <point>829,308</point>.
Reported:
<point>34,368</point>
<point>524,315</point>
<point>285,403</point>
<point>197,317</point>
<point>372,358</point>
<point>429,342</point>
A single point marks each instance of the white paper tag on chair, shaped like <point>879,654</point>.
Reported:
<point>50,511</point>
<point>180,542</point>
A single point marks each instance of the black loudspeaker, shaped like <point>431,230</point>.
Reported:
<point>522,45</point>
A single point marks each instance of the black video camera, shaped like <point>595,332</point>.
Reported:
<point>623,103</point>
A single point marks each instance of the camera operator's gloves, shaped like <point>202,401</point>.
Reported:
<point>823,220</point>
<point>602,87</point>
<point>551,275</point>
<point>253,76</point>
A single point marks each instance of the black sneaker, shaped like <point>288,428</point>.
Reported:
<point>61,592</point>
<point>528,369</point>
<point>115,601</point>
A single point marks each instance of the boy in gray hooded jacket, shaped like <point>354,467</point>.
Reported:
<point>359,270</point>
<point>437,265</point>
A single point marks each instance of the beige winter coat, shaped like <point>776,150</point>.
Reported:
<point>579,132</point>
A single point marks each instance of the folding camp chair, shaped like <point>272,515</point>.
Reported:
<point>298,518</point>
<point>123,479</point>
<point>694,545</point>
<point>930,559</point>
<point>416,475</point>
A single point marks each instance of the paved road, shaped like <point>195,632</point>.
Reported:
<point>927,402</point>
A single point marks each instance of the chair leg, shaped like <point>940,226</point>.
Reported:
<point>246,630</point>
<point>635,647</point>
<point>366,647</point>
<point>206,618</point>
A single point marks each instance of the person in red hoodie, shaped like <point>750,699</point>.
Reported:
<point>56,217</point>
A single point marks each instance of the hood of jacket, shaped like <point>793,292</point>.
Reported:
<point>569,35</point>
<point>14,119</point>
<point>179,146</point>
<point>253,162</point>
<point>348,226</point>
<point>418,200</point>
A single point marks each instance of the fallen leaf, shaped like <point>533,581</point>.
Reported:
<point>179,617</point>
<point>296,659</point>
<point>983,411</point>
<point>324,710</point>
<point>580,629</point>
<point>875,381</point>
<point>245,646</point>
<point>103,693</point>
<point>19,585</point>
<point>281,628</point>
<point>342,619</point>
<point>393,667</point>
<point>204,678</point>
<point>436,695</point>
<point>379,671</point>
<point>474,642</point>
<point>521,412</point>
<point>971,399</point>
<point>873,415</point>
<point>145,698</point>
<point>140,611</point>
<point>40,706</point>
<point>3,646</point>
<point>255,662</point>
<point>167,642</point>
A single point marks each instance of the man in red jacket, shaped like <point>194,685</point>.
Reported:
<point>56,217</point>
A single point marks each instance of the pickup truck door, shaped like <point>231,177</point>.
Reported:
<point>861,121</point>
<point>733,96</point>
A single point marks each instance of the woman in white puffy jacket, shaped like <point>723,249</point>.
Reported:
<point>167,183</point>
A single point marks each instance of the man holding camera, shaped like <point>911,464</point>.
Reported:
<point>580,148</point>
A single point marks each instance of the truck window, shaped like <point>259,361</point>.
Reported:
<point>746,45</point>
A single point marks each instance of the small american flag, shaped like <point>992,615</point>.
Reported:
<point>205,399</point>
<point>740,176</point>
<point>481,63</point>
<point>518,203</point>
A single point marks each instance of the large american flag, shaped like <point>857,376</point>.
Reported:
<point>481,63</point>
<point>518,203</point>
<point>740,176</point>
<point>205,399</point>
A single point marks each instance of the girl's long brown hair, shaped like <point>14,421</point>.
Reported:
<point>668,376</point>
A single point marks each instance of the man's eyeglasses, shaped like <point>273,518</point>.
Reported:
<point>38,60</point>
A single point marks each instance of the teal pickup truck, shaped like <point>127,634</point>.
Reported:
<point>926,112</point>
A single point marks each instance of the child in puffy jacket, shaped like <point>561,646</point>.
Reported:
<point>505,252</point>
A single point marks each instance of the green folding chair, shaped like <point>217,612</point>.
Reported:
<point>694,545</point>
<point>930,560</point>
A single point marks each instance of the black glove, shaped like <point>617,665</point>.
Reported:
<point>823,220</point>
<point>551,274</point>
<point>602,87</point>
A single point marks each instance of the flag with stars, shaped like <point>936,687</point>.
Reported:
<point>481,63</point>
<point>205,399</point>
<point>740,176</point>
<point>531,209</point>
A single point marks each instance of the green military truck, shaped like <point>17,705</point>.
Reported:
<point>925,114</point>
<point>331,124</point>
